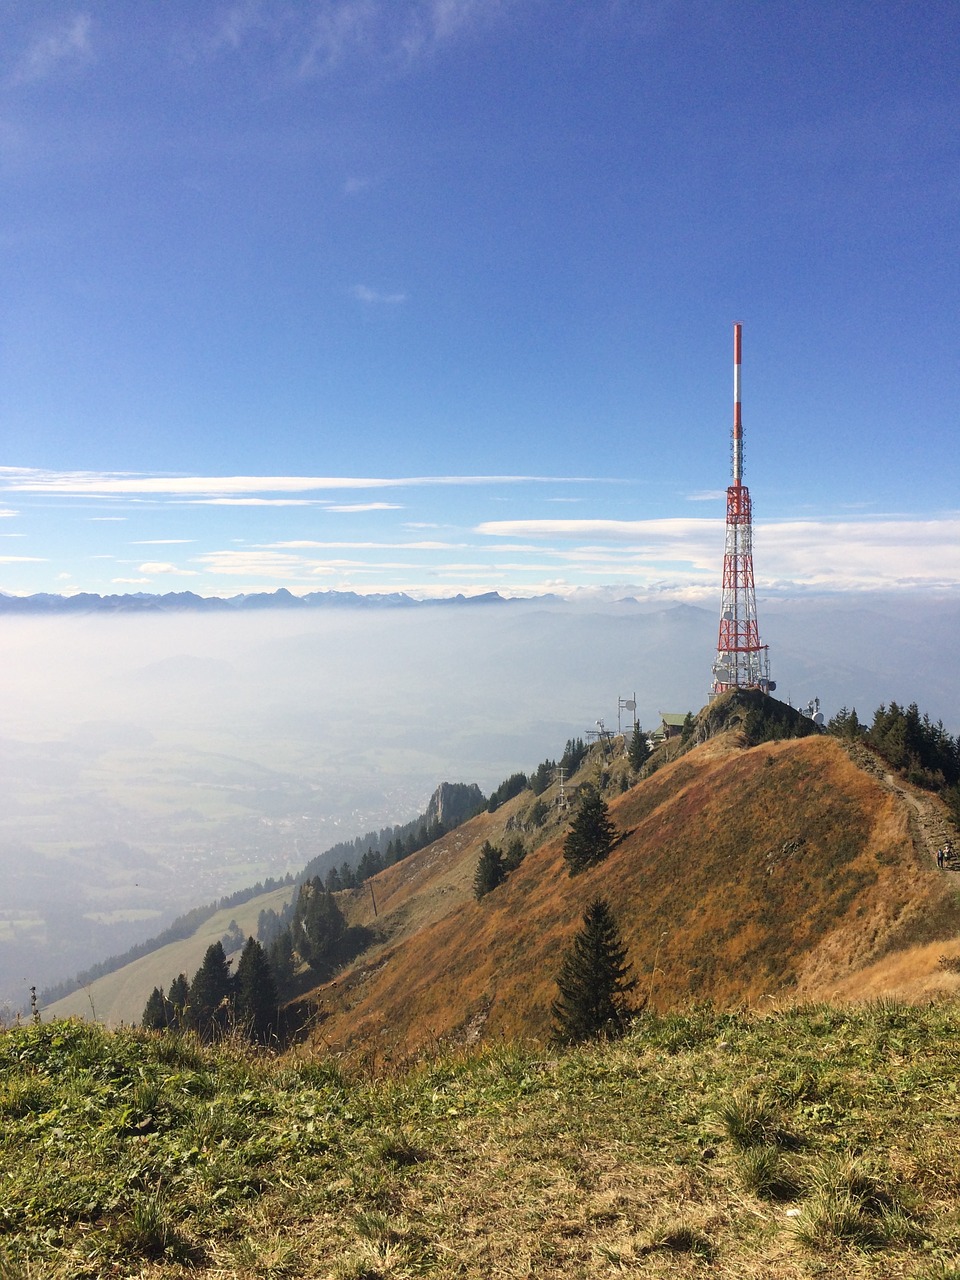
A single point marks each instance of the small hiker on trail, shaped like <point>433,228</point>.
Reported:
<point>941,854</point>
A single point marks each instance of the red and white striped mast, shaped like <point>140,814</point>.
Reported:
<point>742,662</point>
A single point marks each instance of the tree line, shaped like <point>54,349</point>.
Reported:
<point>312,943</point>
<point>183,926</point>
<point>921,750</point>
<point>308,939</point>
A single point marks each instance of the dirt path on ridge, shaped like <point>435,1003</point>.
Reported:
<point>928,824</point>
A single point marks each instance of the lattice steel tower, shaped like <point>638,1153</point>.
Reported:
<point>742,662</point>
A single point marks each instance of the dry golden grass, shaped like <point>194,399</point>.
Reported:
<point>742,876</point>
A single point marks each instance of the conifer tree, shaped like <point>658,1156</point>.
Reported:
<point>280,956</point>
<point>591,834</point>
<point>490,870</point>
<point>156,1013</point>
<point>255,998</point>
<point>593,981</point>
<point>639,751</point>
<point>210,993</point>
<point>178,999</point>
<point>514,855</point>
<point>318,925</point>
<point>573,754</point>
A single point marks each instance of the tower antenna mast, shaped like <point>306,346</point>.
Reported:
<point>742,662</point>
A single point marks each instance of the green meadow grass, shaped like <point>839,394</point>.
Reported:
<point>814,1142</point>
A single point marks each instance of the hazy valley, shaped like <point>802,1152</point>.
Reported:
<point>151,764</point>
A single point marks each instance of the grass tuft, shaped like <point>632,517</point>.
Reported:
<point>679,1236</point>
<point>10,1269</point>
<point>850,1203</point>
<point>750,1121</point>
<point>150,1232</point>
<point>763,1172</point>
<point>397,1149</point>
<point>834,1217</point>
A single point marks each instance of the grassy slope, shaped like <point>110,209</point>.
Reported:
<point>741,874</point>
<point>127,1154</point>
<point>120,996</point>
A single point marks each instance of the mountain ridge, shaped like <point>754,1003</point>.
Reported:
<point>805,874</point>
<point>188,601</point>
<point>741,874</point>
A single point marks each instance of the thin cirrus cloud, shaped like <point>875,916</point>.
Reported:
<point>157,567</point>
<point>237,489</point>
<point>383,34</point>
<point>376,297</point>
<point>309,544</point>
<point>67,42</point>
<point>349,508</point>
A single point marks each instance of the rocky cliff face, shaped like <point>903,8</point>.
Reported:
<point>454,802</point>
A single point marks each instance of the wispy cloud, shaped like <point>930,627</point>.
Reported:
<point>67,42</point>
<point>250,502</point>
<point>160,542</point>
<point>826,554</point>
<point>355,186</point>
<point>393,34</point>
<point>266,564</point>
<point>307,544</point>
<point>157,567</point>
<point>348,507</point>
<point>612,530</point>
<point>376,297</point>
<point>234,489</point>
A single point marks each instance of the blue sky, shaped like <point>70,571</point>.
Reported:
<point>438,295</point>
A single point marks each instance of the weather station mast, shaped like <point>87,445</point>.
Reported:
<point>742,662</point>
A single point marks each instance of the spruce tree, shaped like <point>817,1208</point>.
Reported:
<point>178,998</point>
<point>591,833</point>
<point>318,926</point>
<point>514,855</point>
<point>593,981</point>
<point>639,749</point>
<point>256,993</point>
<point>210,993</point>
<point>490,870</point>
<point>156,1013</point>
<point>280,956</point>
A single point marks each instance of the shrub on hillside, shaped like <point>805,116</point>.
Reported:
<point>490,870</point>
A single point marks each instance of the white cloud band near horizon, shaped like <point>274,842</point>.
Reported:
<point>106,484</point>
<point>842,553</point>
<point>680,554</point>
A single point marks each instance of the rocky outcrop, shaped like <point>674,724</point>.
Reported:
<point>455,802</point>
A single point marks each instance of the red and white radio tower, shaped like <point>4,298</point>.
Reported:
<point>742,661</point>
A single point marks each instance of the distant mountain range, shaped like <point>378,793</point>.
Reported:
<point>180,601</point>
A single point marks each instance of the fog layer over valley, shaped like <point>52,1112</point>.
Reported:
<point>149,764</point>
